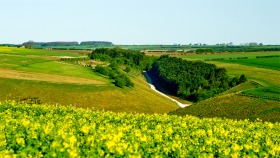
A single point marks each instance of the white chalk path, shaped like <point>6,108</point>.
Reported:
<point>154,88</point>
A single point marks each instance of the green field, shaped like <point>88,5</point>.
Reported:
<point>262,70</point>
<point>234,105</point>
<point>258,98</point>
<point>35,52</point>
<point>42,61</point>
<point>229,55</point>
<point>40,75</point>
<point>49,131</point>
<point>269,63</point>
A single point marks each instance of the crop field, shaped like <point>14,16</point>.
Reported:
<point>36,131</point>
<point>258,98</point>
<point>238,58</point>
<point>35,52</point>
<point>234,105</point>
<point>262,70</point>
<point>268,63</point>
<point>42,61</point>
<point>227,56</point>
<point>39,76</point>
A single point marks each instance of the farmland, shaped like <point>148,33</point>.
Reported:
<point>63,109</point>
<point>258,98</point>
<point>36,130</point>
<point>238,58</point>
<point>233,105</point>
<point>39,75</point>
<point>262,70</point>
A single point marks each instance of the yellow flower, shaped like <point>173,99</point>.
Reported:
<point>20,141</point>
<point>25,122</point>
<point>85,129</point>
<point>72,152</point>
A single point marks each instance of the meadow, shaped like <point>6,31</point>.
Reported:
<point>262,70</point>
<point>50,131</point>
<point>234,105</point>
<point>227,56</point>
<point>257,98</point>
<point>41,75</point>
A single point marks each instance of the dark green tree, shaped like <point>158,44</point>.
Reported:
<point>242,79</point>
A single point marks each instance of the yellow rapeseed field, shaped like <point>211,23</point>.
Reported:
<point>44,130</point>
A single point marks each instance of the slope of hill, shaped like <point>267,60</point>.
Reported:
<point>39,76</point>
<point>231,104</point>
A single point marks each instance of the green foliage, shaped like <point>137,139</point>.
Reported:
<point>242,79</point>
<point>121,80</point>
<point>129,57</point>
<point>40,130</point>
<point>127,69</point>
<point>234,81</point>
<point>101,57</point>
<point>104,70</point>
<point>191,80</point>
<point>114,65</point>
<point>200,51</point>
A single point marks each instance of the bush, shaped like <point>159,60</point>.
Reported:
<point>128,82</point>
<point>127,69</point>
<point>120,82</point>
<point>234,82</point>
<point>103,70</point>
<point>242,79</point>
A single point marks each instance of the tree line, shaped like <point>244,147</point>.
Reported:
<point>31,44</point>
<point>128,57</point>
<point>190,80</point>
<point>235,49</point>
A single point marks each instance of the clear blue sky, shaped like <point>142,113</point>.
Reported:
<point>141,21</point>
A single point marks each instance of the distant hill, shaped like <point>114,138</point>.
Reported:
<point>33,44</point>
<point>105,43</point>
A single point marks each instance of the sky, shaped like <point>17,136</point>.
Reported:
<point>141,21</point>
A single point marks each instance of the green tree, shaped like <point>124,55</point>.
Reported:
<point>242,79</point>
<point>127,69</point>
<point>120,82</point>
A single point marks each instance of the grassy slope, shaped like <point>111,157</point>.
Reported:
<point>108,97</point>
<point>42,61</point>
<point>268,63</point>
<point>234,106</point>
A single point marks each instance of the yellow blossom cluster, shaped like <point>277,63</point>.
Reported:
<point>44,130</point>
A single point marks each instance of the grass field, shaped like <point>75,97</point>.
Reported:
<point>268,63</point>
<point>42,61</point>
<point>258,98</point>
<point>231,104</point>
<point>262,70</point>
<point>28,73</point>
